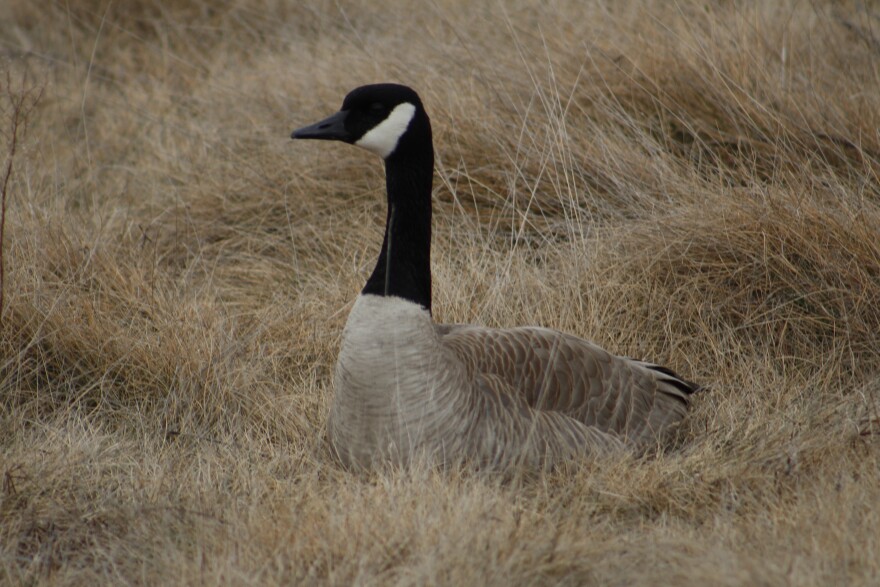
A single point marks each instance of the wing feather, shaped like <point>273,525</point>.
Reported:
<point>554,372</point>
<point>507,431</point>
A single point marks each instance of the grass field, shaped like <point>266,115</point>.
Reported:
<point>695,182</point>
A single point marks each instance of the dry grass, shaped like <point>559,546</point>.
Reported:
<point>695,183</point>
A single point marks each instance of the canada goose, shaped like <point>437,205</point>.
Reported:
<point>406,387</point>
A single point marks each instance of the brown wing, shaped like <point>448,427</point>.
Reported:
<point>556,372</point>
<point>508,432</point>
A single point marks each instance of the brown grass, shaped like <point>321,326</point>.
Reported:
<point>695,183</point>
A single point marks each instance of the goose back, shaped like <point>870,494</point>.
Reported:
<point>558,372</point>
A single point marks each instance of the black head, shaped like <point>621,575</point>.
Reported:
<point>374,117</point>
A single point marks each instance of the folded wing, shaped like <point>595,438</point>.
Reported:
<point>558,373</point>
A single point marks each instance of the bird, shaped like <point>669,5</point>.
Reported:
<point>407,388</point>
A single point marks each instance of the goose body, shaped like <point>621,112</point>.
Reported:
<point>407,388</point>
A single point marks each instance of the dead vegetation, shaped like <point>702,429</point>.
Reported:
<point>691,182</point>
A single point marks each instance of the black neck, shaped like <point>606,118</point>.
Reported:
<point>404,266</point>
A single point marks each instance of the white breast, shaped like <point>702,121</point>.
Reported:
<point>394,383</point>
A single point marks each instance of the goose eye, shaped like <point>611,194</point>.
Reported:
<point>376,107</point>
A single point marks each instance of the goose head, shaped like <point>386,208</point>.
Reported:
<point>387,119</point>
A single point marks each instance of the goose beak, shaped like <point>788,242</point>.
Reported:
<point>329,129</point>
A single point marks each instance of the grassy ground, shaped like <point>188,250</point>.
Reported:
<point>695,183</point>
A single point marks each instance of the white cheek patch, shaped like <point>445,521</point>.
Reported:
<point>382,139</point>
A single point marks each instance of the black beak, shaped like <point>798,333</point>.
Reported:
<point>329,129</point>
